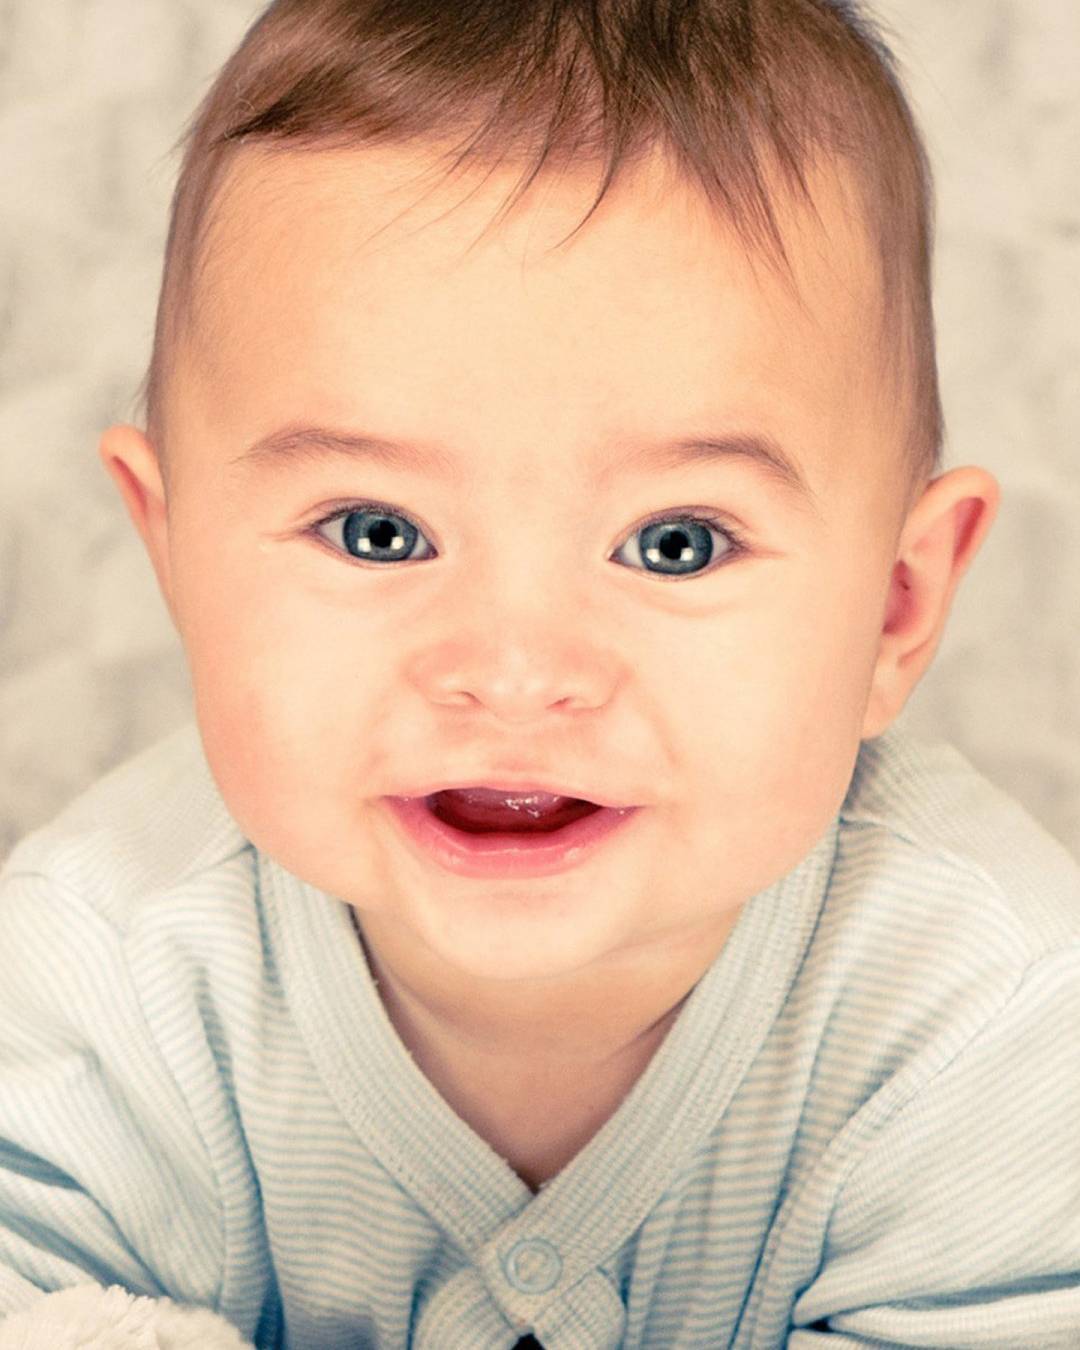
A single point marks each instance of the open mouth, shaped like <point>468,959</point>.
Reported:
<point>482,839</point>
<point>526,815</point>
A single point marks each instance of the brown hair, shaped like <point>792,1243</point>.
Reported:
<point>729,87</point>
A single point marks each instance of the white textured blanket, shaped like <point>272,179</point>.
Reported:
<point>89,1317</point>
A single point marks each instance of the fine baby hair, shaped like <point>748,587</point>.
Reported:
<point>745,96</point>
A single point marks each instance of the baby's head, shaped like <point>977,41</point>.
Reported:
<point>640,500</point>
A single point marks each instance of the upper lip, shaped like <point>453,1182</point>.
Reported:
<point>507,783</point>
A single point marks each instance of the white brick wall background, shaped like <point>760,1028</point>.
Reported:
<point>92,95</point>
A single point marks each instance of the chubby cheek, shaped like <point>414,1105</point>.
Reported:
<point>771,726</point>
<point>284,713</point>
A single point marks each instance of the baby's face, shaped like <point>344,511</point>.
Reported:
<point>525,621</point>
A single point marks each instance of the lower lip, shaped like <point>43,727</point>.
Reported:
<point>507,855</point>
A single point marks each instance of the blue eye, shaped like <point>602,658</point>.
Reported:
<point>680,544</point>
<point>374,535</point>
<point>677,543</point>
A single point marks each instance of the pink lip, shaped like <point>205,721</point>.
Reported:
<point>505,855</point>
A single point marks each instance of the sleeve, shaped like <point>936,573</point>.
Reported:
<point>960,1226</point>
<point>103,1178</point>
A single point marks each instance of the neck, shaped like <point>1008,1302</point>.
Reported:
<point>603,1018</point>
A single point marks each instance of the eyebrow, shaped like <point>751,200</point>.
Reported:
<point>294,444</point>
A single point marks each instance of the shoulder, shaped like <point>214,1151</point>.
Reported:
<point>154,824</point>
<point>926,835</point>
<point>946,904</point>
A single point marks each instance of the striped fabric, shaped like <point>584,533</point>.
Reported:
<point>863,1130</point>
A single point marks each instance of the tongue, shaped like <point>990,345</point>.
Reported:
<point>483,810</point>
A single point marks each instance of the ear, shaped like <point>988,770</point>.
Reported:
<point>941,537</point>
<point>132,463</point>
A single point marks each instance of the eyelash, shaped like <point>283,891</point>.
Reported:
<point>738,544</point>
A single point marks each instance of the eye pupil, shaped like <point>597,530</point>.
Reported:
<point>674,545</point>
<point>383,534</point>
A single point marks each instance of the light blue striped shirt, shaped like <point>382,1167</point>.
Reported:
<point>863,1129</point>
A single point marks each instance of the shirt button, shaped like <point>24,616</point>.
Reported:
<point>533,1266</point>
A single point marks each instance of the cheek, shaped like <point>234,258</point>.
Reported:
<point>792,648</point>
<point>250,748</point>
<point>773,719</point>
<point>273,695</point>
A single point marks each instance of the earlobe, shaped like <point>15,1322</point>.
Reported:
<point>132,463</point>
<point>943,533</point>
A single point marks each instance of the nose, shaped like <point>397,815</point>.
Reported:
<point>519,673</point>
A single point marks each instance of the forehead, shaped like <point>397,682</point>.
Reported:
<point>334,288</point>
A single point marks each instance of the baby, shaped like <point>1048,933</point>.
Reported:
<point>541,935</point>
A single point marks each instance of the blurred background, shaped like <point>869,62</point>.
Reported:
<point>93,93</point>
